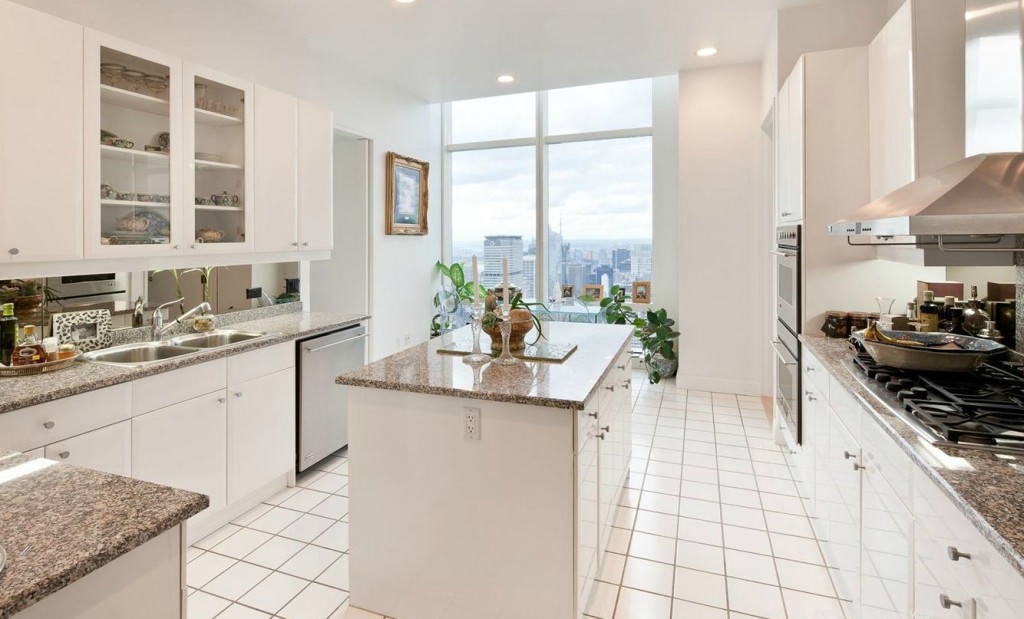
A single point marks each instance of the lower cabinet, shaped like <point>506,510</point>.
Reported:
<point>185,446</point>
<point>887,531</point>
<point>588,506</point>
<point>108,449</point>
<point>844,512</point>
<point>260,432</point>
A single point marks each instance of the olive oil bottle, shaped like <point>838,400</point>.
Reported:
<point>8,333</point>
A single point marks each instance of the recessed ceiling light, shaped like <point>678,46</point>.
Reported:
<point>506,79</point>
<point>405,1</point>
<point>704,52</point>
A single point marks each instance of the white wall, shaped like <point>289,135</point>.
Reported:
<point>665,188</point>
<point>231,37</point>
<point>719,162</point>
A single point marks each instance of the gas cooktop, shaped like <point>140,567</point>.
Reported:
<point>977,410</point>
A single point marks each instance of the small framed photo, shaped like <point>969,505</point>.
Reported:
<point>88,330</point>
<point>641,292</point>
<point>620,295</point>
<point>406,197</point>
<point>568,291</point>
<point>594,291</point>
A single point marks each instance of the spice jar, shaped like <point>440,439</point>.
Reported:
<point>858,321</point>
<point>837,325</point>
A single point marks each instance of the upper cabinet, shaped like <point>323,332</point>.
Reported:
<point>316,177</point>
<point>133,167</point>
<point>40,136</point>
<point>916,93</point>
<point>789,203</point>
<point>219,153</point>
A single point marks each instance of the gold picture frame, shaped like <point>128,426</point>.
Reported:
<point>406,196</point>
<point>642,292</point>
<point>594,291</point>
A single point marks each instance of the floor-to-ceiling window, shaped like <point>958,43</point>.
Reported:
<point>559,182</point>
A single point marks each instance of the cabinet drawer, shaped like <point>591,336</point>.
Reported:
<point>256,363</point>
<point>586,420</point>
<point>108,449</point>
<point>937,593</point>
<point>39,425</point>
<point>155,392</point>
<point>946,533</point>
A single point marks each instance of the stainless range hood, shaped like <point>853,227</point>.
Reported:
<point>980,195</point>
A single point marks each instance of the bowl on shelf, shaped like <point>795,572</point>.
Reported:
<point>120,143</point>
<point>209,235</point>
<point>112,73</point>
<point>135,80</point>
<point>156,84</point>
<point>128,195</point>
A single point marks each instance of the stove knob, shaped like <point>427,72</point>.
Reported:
<point>882,377</point>
<point>903,395</point>
<point>919,392</point>
<point>907,382</point>
<point>893,385</point>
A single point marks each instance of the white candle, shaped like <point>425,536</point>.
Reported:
<point>504,281</point>
<point>476,283</point>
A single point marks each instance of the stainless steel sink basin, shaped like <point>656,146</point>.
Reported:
<point>213,339</point>
<point>138,354</point>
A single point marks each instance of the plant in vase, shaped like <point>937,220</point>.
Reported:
<point>453,301</point>
<point>654,329</point>
<point>30,298</point>
<point>520,315</point>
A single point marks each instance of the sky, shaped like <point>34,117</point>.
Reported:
<point>596,190</point>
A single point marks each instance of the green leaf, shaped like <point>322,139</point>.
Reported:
<point>639,323</point>
<point>614,290</point>
<point>667,351</point>
<point>662,314</point>
<point>605,302</point>
<point>457,275</point>
<point>673,335</point>
<point>444,270</point>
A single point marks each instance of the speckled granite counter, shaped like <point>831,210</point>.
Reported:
<point>989,493</point>
<point>567,385</point>
<point>61,522</point>
<point>18,393</point>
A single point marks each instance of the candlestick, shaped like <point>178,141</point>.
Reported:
<point>476,358</point>
<point>506,358</point>
<point>476,283</point>
<point>504,282</point>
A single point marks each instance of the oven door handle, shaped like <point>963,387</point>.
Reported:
<point>778,353</point>
<point>783,254</point>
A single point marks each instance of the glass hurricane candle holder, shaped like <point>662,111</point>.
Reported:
<point>506,357</point>
<point>476,357</point>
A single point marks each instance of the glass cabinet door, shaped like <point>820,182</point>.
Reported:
<point>133,182</point>
<point>219,160</point>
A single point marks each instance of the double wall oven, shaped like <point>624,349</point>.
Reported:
<point>787,328</point>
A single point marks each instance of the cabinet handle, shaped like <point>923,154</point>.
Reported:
<point>64,455</point>
<point>222,400</point>
<point>238,394</point>
<point>848,456</point>
<point>621,367</point>
<point>610,387</point>
<point>810,398</point>
<point>956,555</point>
<point>786,214</point>
<point>628,383</point>
<point>810,369</point>
<point>594,414</point>
<point>601,436</point>
<point>193,246</point>
<point>49,425</point>
<point>606,428</point>
<point>305,243</point>
<point>946,602</point>
<point>858,467</point>
<point>177,247</point>
<point>14,251</point>
<point>295,244</point>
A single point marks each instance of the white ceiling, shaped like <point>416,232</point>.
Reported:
<point>443,50</point>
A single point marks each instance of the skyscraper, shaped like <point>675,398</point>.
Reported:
<point>496,248</point>
<point>529,276</point>
<point>642,262</point>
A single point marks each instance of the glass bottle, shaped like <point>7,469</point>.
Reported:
<point>8,333</point>
<point>928,313</point>
<point>956,321</point>
<point>30,350</point>
<point>948,303</point>
<point>974,316</point>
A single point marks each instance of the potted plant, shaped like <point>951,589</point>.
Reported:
<point>452,301</point>
<point>523,321</point>
<point>654,330</point>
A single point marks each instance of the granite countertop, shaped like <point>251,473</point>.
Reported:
<point>18,393</point>
<point>566,385</point>
<point>61,522</point>
<point>987,491</point>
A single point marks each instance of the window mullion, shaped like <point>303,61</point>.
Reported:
<point>540,285</point>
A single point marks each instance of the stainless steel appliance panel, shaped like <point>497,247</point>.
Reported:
<point>81,290</point>
<point>787,266</point>
<point>787,383</point>
<point>322,407</point>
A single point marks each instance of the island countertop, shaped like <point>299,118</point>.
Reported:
<point>60,522</point>
<point>566,385</point>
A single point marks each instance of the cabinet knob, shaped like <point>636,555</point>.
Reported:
<point>305,243</point>
<point>610,387</point>
<point>594,414</point>
<point>786,214</point>
<point>193,246</point>
<point>858,467</point>
<point>295,244</point>
<point>49,425</point>
<point>946,602</point>
<point>601,436</point>
<point>956,555</point>
<point>64,455</point>
<point>238,394</point>
<point>222,400</point>
<point>848,456</point>
<point>810,369</point>
<point>621,367</point>
<point>606,428</point>
<point>627,383</point>
<point>811,398</point>
<point>13,251</point>
<point>177,247</point>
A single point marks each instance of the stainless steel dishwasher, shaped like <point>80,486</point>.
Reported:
<point>323,405</point>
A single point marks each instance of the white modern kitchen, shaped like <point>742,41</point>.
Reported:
<point>408,309</point>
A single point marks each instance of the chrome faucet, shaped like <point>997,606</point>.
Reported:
<point>158,317</point>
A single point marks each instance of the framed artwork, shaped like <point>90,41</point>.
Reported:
<point>620,296</point>
<point>88,330</point>
<point>641,292</point>
<point>406,198</point>
<point>594,291</point>
<point>568,291</point>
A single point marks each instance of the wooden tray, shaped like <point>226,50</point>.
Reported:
<point>15,371</point>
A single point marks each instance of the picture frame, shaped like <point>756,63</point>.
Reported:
<point>406,195</point>
<point>568,291</point>
<point>620,296</point>
<point>641,292</point>
<point>594,291</point>
<point>89,330</point>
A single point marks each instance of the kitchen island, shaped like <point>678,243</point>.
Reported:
<point>486,492</point>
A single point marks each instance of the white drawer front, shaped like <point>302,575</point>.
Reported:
<point>39,425</point>
<point>160,390</point>
<point>108,449</point>
<point>815,372</point>
<point>256,363</point>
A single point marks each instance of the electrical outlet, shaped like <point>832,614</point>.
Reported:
<point>471,427</point>
<point>253,293</point>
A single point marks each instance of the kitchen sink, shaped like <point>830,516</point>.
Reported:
<point>213,339</point>
<point>138,354</point>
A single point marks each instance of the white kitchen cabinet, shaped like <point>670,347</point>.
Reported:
<point>107,449</point>
<point>588,555</point>
<point>937,592</point>
<point>276,163</point>
<point>790,145</point>
<point>41,129</point>
<point>58,420</point>
<point>887,527</point>
<point>260,432</point>
<point>143,213</point>
<point>844,513</point>
<point>916,93</point>
<point>185,446</point>
<point>316,174</point>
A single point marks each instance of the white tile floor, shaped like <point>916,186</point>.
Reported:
<point>709,527</point>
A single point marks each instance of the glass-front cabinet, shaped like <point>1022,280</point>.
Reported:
<point>218,143</point>
<point>134,202</point>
